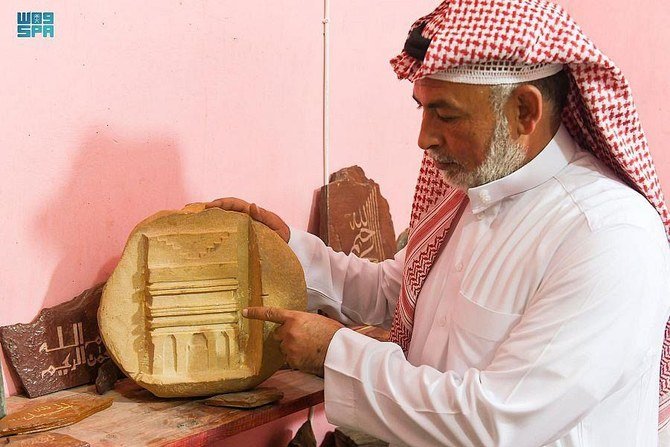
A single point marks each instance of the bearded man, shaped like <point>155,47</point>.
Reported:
<point>530,305</point>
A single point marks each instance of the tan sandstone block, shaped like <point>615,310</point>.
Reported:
<point>170,314</point>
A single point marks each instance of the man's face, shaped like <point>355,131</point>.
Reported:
<point>469,143</point>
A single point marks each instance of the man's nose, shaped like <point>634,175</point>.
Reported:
<point>428,136</point>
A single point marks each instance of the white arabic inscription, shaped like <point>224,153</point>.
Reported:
<point>367,243</point>
<point>78,354</point>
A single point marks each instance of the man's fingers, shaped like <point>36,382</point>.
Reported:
<point>229,204</point>
<point>274,314</point>
<point>256,212</point>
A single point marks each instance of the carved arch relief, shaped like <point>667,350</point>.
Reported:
<point>198,271</point>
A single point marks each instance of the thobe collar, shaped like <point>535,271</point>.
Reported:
<point>555,156</point>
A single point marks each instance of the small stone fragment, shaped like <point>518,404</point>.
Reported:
<point>43,439</point>
<point>347,437</point>
<point>246,399</point>
<point>304,437</point>
<point>60,349</point>
<point>108,374</point>
<point>3,407</point>
<point>402,240</point>
<point>50,414</point>
<point>354,217</point>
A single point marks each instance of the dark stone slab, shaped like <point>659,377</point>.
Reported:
<point>61,349</point>
<point>347,437</point>
<point>354,217</point>
<point>43,439</point>
<point>108,375</point>
<point>50,414</point>
<point>246,399</point>
<point>304,437</point>
<point>328,440</point>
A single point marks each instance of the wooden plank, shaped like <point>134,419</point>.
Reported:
<point>138,418</point>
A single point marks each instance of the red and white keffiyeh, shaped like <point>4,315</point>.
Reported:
<point>600,115</point>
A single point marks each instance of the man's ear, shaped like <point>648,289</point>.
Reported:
<point>527,108</point>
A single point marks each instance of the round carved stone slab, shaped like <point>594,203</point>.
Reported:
<point>246,399</point>
<point>171,313</point>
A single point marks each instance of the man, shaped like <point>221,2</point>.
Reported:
<point>530,304</point>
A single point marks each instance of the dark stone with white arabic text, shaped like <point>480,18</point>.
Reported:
<point>61,349</point>
<point>354,217</point>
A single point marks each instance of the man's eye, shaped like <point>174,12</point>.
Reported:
<point>446,118</point>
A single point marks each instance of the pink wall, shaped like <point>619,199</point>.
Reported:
<point>139,106</point>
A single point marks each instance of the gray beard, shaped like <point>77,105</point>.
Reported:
<point>504,157</point>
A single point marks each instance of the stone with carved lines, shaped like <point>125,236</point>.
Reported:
<point>50,414</point>
<point>354,217</point>
<point>61,349</point>
<point>43,440</point>
<point>170,314</point>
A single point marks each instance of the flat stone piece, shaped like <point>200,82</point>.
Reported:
<point>246,399</point>
<point>61,349</point>
<point>108,374</point>
<point>304,437</point>
<point>347,437</point>
<point>52,414</point>
<point>3,405</point>
<point>354,217</point>
<point>43,439</point>
<point>402,240</point>
<point>171,313</point>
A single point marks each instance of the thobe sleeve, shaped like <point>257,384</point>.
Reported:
<point>577,342</point>
<point>346,287</point>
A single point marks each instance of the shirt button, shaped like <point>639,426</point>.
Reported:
<point>480,216</point>
<point>459,267</point>
<point>485,197</point>
<point>443,321</point>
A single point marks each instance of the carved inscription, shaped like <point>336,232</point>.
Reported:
<point>365,225</point>
<point>61,349</point>
<point>79,352</point>
<point>52,414</point>
<point>354,217</point>
<point>43,440</point>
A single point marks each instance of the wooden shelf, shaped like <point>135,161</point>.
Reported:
<point>138,418</point>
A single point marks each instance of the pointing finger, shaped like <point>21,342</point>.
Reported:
<point>274,314</point>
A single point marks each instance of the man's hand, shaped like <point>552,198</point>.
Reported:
<point>266,217</point>
<point>303,337</point>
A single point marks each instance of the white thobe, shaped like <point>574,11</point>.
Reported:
<point>540,323</point>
